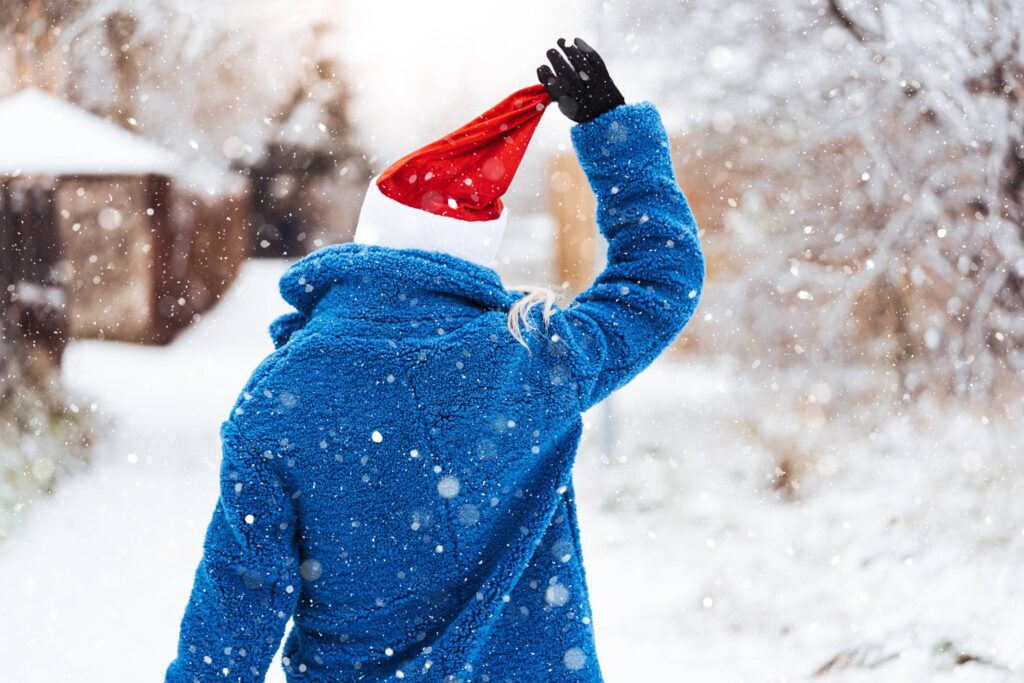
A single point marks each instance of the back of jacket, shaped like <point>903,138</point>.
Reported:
<point>397,475</point>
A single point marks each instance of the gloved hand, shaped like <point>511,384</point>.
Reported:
<point>583,90</point>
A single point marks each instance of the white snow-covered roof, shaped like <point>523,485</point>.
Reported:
<point>43,134</point>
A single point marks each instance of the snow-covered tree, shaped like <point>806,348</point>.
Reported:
<point>887,207</point>
<point>209,81</point>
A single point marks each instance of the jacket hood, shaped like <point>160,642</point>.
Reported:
<point>385,284</point>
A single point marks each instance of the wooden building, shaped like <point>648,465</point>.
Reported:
<point>135,253</point>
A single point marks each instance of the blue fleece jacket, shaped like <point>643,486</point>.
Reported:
<point>396,476</point>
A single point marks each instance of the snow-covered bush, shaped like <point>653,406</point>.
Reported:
<point>44,433</point>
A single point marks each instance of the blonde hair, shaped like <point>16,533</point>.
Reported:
<point>519,321</point>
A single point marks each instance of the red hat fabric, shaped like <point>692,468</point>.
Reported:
<point>464,174</point>
<point>447,196</point>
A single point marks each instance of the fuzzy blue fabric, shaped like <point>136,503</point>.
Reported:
<point>396,476</point>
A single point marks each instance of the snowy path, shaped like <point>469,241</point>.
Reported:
<point>99,575</point>
<point>697,571</point>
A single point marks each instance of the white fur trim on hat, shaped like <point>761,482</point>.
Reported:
<point>387,223</point>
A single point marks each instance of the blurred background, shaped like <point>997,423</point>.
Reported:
<point>821,479</point>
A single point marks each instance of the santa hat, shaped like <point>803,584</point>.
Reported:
<point>447,196</point>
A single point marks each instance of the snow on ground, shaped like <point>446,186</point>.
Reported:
<point>900,563</point>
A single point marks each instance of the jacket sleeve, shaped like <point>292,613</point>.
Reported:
<point>247,583</point>
<point>655,267</point>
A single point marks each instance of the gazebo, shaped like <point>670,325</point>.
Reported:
<point>87,207</point>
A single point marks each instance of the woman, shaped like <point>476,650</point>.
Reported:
<point>397,474</point>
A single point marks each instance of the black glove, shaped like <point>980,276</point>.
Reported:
<point>584,90</point>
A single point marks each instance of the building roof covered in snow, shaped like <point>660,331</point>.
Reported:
<point>45,135</point>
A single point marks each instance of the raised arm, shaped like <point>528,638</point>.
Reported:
<point>247,584</point>
<point>655,271</point>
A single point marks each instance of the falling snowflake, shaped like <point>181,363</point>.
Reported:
<point>469,514</point>
<point>556,595</point>
<point>310,570</point>
<point>574,659</point>
<point>448,487</point>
